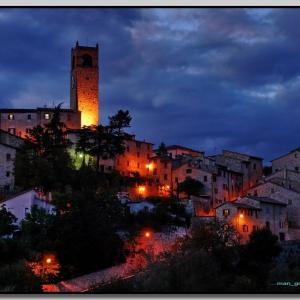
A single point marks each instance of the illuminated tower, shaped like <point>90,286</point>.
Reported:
<point>84,94</point>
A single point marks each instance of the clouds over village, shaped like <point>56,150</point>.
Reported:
<point>211,79</point>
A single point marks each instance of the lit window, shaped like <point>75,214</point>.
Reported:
<point>47,116</point>
<point>10,117</point>
<point>226,212</point>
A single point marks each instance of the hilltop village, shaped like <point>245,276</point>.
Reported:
<point>231,186</point>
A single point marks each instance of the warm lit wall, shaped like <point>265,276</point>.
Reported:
<point>85,84</point>
<point>136,158</point>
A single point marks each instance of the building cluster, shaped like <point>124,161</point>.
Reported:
<point>233,185</point>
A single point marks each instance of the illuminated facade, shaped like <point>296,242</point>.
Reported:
<point>252,213</point>
<point>84,90</point>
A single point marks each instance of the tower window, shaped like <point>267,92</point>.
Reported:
<point>7,174</point>
<point>29,117</point>
<point>87,60</point>
<point>47,116</point>
<point>10,117</point>
<point>8,156</point>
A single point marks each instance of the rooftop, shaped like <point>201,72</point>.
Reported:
<point>267,200</point>
<point>171,147</point>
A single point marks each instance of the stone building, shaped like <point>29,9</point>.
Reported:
<point>84,98</point>
<point>9,145</point>
<point>177,150</point>
<point>19,121</point>
<point>289,161</point>
<point>280,193</point>
<point>84,94</point>
<point>252,213</point>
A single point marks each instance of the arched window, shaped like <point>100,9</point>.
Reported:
<point>87,60</point>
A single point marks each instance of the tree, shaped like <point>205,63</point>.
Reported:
<point>257,257</point>
<point>44,159</point>
<point>162,150</point>
<point>190,186</point>
<point>84,143</point>
<point>120,121</point>
<point>7,220</point>
<point>105,141</point>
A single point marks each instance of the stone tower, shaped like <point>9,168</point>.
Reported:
<point>84,94</point>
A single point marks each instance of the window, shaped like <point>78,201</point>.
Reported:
<point>12,130</point>
<point>10,117</point>
<point>138,154</point>
<point>138,144</point>
<point>188,171</point>
<point>7,174</point>
<point>166,165</point>
<point>46,116</point>
<point>205,178</point>
<point>268,224</point>
<point>138,165</point>
<point>290,202</point>
<point>255,192</point>
<point>165,176</point>
<point>109,168</point>
<point>281,224</point>
<point>226,212</point>
<point>255,227</point>
<point>127,163</point>
<point>224,186</point>
<point>155,171</point>
<point>216,190</point>
<point>296,155</point>
<point>8,156</point>
<point>245,228</point>
<point>68,117</point>
<point>29,117</point>
<point>254,166</point>
<point>214,178</point>
<point>128,149</point>
<point>87,60</point>
<point>296,168</point>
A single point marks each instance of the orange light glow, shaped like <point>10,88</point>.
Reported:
<point>88,118</point>
<point>167,187</point>
<point>149,167</point>
<point>147,234</point>
<point>48,260</point>
<point>141,189</point>
<point>241,216</point>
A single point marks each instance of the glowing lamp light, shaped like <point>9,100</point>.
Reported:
<point>81,155</point>
<point>149,167</point>
<point>48,260</point>
<point>167,187</point>
<point>141,189</point>
<point>241,216</point>
<point>147,234</point>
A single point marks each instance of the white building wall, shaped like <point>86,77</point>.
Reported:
<point>21,205</point>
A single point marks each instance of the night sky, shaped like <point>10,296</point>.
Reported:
<point>210,79</point>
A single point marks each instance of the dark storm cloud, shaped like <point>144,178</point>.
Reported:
<point>207,78</point>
